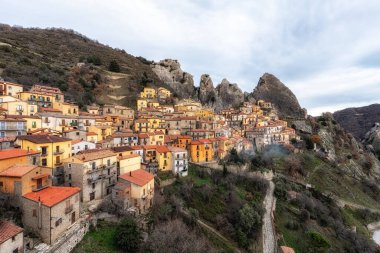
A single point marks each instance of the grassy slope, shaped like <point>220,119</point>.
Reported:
<point>47,56</point>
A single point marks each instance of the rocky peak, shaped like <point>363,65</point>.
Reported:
<point>169,71</point>
<point>271,88</point>
<point>206,93</point>
<point>230,94</point>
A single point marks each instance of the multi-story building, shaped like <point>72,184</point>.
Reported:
<point>10,89</point>
<point>17,107</point>
<point>10,157</point>
<point>164,158</point>
<point>12,126</point>
<point>179,157</point>
<point>54,150</point>
<point>149,93</point>
<point>93,171</point>
<point>78,146</point>
<point>201,151</point>
<point>50,211</point>
<point>11,238</point>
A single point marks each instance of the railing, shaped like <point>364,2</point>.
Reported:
<point>44,154</point>
<point>58,163</point>
<point>69,209</point>
<point>58,152</point>
<point>36,188</point>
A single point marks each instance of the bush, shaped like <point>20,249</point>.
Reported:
<point>128,235</point>
<point>114,66</point>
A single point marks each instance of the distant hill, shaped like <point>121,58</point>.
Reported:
<point>358,120</point>
<point>51,56</point>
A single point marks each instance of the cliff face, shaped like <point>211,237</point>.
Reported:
<point>271,88</point>
<point>372,139</point>
<point>359,120</point>
<point>206,93</point>
<point>169,71</point>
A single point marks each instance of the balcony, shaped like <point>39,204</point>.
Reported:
<point>59,152</point>
<point>36,188</point>
<point>63,124</point>
<point>43,154</point>
<point>69,209</point>
<point>87,123</point>
<point>59,163</point>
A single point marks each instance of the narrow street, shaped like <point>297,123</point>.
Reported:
<point>269,239</point>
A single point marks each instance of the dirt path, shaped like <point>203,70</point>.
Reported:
<point>269,240</point>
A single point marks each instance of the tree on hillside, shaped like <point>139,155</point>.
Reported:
<point>128,235</point>
<point>114,66</point>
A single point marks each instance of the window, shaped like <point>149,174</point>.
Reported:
<point>93,165</point>
<point>3,125</point>
<point>93,185</point>
<point>34,124</point>
<point>1,184</point>
<point>19,133</point>
<point>57,222</point>
<point>69,165</point>
<point>85,147</point>
<point>34,160</point>
<point>13,238</point>
<point>34,213</point>
<point>15,250</point>
<point>32,109</point>
<point>44,162</point>
<point>108,162</point>
<point>69,176</point>
<point>2,134</point>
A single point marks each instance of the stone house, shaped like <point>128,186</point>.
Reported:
<point>93,171</point>
<point>50,211</point>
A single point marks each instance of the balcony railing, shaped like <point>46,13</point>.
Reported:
<point>43,154</point>
<point>58,163</point>
<point>58,152</point>
<point>69,209</point>
<point>36,188</point>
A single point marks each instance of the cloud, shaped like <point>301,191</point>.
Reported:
<point>321,49</point>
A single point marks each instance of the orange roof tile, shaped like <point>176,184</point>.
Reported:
<point>75,142</point>
<point>139,177</point>
<point>285,249</point>
<point>17,170</point>
<point>12,153</point>
<point>52,195</point>
<point>162,149</point>
<point>91,133</point>
<point>8,230</point>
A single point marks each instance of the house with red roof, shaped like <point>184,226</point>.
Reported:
<point>21,179</point>
<point>11,237</point>
<point>135,191</point>
<point>50,211</point>
<point>15,156</point>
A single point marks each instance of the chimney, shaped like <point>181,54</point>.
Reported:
<point>130,173</point>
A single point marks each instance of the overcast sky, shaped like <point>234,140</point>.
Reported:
<point>326,52</point>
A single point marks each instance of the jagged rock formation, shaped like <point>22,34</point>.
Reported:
<point>229,94</point>
<point>169,71</point>
<point>206,93</point>
<point>271,88</point>
<point>358,121</point>
<point>372,139</point>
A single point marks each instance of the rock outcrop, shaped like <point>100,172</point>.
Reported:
<point>358,121</point>
<point>169,71</point>
<point>272,89</point>
<point>206,93</point>
<point>229,94</point>
<point>372,139</point>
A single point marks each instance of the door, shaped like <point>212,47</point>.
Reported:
<point>72,217</point>
<point>39,183</point>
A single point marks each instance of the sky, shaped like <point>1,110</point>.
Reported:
<point>326,52</point>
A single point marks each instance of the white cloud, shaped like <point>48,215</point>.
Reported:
<point>313,46</point>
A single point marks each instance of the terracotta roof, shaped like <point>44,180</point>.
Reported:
<point>52,195</point>
<point>143,135</point>
<point>127,156</point>
<point>11,153</point>
<point>46,109</point>
<point>162,149</point>
<point>93,154</point>
<point>122,148</point>
<point>8,230</point>
<point>91,133</point>
<point>285,249</point>
<point>17,170</point>
<point>75,142</point>
<point>42,138</point>
<point>139,177</point>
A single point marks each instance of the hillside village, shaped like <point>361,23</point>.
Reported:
<point>57,161</point>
